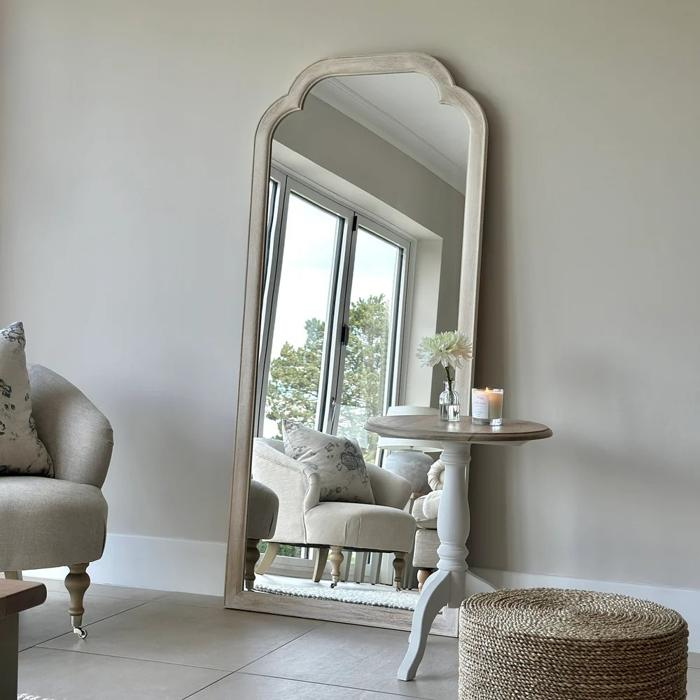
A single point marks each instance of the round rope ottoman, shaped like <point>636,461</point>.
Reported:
<point>551,644</point>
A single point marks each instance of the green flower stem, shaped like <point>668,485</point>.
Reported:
<point>450,379</point>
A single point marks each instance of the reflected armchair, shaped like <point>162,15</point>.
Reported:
<point>332,526</point>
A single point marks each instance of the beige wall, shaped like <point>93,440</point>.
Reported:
<point>126,134</point>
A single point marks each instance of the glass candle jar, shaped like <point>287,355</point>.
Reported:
<point>487,406</point>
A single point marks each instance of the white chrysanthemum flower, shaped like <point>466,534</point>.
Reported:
<point>447,349</point>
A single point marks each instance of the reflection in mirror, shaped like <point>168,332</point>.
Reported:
<point>362,259</point>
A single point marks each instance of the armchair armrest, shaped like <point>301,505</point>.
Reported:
<point>298,490</point>
<point>388,489</point>
<point>77,436</point>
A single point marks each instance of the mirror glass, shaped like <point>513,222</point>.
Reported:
<point>365,220</point>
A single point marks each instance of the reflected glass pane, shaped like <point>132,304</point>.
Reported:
<point>367,378</point>
<point>301,315</point>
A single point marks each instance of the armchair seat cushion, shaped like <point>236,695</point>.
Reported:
<point>425,554</point>
<point>49,522</point>
<point>360,526</point>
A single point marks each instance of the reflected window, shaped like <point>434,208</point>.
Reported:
<point>333,307</point>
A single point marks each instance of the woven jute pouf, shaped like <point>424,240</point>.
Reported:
<point>551,644</point>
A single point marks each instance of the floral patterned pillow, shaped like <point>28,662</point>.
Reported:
<point>337,460</point>
<point>21,451</point>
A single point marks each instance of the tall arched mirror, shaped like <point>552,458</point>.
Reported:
<point>365,235</point>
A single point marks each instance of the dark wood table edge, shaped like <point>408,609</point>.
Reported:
<point>16,596</point>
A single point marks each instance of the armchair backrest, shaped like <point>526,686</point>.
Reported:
<point>77,436</point>
<point>389,489</point>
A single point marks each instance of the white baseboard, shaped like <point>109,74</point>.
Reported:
<point>192,566</point>
<point>187,566</point>
<point>685,600</point>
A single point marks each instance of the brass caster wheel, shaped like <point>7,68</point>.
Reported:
<point>82,633</point>
<point>334,584</point>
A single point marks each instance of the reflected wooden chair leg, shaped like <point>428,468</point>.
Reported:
<point>360,566</point>
<point>271,552</point>
<point>336,559</point>
<point>399,565</point>
<point>251,559</point>
<point>346,569</point>
<point>423,577</point>
<point>376,567</point>
<point>320,558</point>
<point>77,582</point>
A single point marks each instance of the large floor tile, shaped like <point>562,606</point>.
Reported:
<point>65,675</point>
<point>363,658</point>
<point>51,619</point>
<point>207,601</point>
<point>252,687</point>
<point>188,634</point>
<point>694,660</point>
<point>693,684</point>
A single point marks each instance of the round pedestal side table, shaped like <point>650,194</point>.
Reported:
<point>452,582</point>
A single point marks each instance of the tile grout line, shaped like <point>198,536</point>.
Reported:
<point>272,651</point>
<point>134,658</point>
<point>158,598</point>
<point>102,619</point>
<point>332,685</point>
<point>170,663</point>
<point>209,685</point>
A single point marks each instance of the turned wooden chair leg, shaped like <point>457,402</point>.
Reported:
<point>252,554</point>
<point>320,563</point>
<point>271,552</point>
<point>360,566</point>
<point>336,559</point>
<point>13,575</point>
<point>423,577</point>
<point>399,565</point>
<point>345,573</point>
<point>77,582</point>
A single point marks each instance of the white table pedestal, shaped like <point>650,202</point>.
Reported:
<point>452,582</point>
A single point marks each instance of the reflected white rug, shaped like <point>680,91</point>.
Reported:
<point>361,593</point>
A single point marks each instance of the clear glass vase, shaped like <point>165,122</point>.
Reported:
<point>449,404</point>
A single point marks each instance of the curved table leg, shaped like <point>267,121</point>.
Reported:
<point>432,599</point>
<point>452,582</point>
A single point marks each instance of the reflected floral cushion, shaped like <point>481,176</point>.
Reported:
<point>21,451</point>
<point>337,460</point>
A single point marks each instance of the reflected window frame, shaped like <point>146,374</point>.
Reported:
<point>282,182</point>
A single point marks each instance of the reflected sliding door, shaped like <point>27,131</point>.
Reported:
<point>333,305</point>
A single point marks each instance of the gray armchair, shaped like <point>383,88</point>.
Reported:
<point>263,506</point>
<point>61,521</point>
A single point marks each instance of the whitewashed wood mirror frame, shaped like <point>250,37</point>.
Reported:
<point>236,597</point>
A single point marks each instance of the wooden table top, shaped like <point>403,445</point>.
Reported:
<point>16,596</point>
<point>432,428</point>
